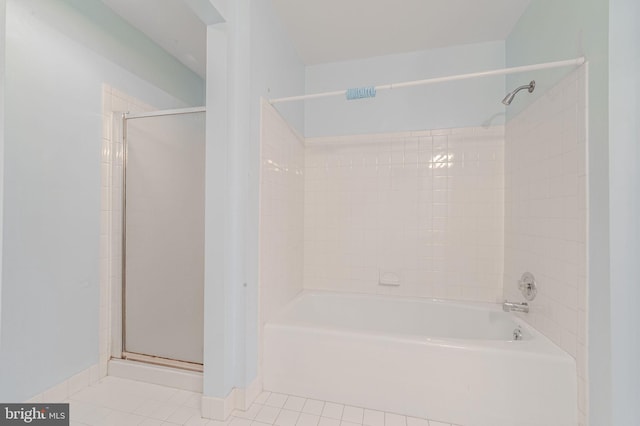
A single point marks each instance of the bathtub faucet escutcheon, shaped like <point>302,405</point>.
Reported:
<point>515,307</point>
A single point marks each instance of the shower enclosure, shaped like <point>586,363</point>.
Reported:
<point>163,237</point>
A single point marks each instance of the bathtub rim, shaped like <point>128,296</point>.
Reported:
<point>535,344</point>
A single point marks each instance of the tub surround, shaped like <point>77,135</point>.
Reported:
<point>424,206</point>
<point>546,216</point>
<point>281,213</point>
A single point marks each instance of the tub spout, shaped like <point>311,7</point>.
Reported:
<point>515,307</point>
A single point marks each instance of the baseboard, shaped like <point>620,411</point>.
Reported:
<point>238,399</point>
<point>72,385</point>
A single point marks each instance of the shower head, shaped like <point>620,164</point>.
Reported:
<point>509,98</point>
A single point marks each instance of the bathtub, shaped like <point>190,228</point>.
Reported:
<point>446,361</point>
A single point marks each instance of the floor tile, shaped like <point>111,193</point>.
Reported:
<point>306,419</point>
<point>183,397</point>
<point>118,418</point>
<point>313,406</point>
<point>373,418</point>
<point>352,414</point>
<point>194,400</point>
<point>219,423</point>
<point>151,422</point>
<point>294,403</point>
<point>287,418</point>
<point>326,421</point>
<point>199,421</point>
<point>414,421</point>
<point>157,410</point>
<point>237,421</point>
<point>332,410</point>
<point>267,414</point>
<point>84,412</point>
<point>120,402</point>
<point>276,400</point>
<point>262,398</point>
<point>394,420</point>
<point>110,398</point>
<point>250,414</point>
<point>183,414</point>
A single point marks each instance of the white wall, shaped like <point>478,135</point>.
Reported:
<point>3,10</point>
<point>468,103</point>
<point>426,206</point>
<point>218,327</point>
<point>546,217</point>
<point>624,157</point>
<point>282,193</point>
<point>52,187</point>
<point>250,56</point>
<point>276,71</point>
<point>108,35</point>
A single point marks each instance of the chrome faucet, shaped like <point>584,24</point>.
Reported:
<point>517,333</point>
<point>515,307</point>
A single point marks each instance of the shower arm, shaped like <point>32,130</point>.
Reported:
<point>509,98</point>
<point>529,87</point>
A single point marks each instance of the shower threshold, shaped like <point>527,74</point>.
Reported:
<point>157,374</point>
<point>167,362</point>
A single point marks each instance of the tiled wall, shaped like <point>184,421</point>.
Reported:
<point>114,103</point>
<point>545,216</point>
<point>426,207</point>
<point>281,212</point>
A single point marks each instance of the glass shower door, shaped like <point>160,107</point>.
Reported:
<point>163,250</point>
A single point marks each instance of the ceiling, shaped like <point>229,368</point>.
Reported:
<point>332,30</point>
<point>337,30</point>
<point>172,24</point>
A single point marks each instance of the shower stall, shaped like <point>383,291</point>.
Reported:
<point>160,307</point>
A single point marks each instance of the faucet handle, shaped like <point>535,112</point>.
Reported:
<point>527,286</point>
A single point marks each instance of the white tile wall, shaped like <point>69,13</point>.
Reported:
<point>425,206</point>
<point>281,212</point>
<point>114,102</point>
<point>545,219</point>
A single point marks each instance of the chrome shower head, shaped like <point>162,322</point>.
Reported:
<point>509,98</point>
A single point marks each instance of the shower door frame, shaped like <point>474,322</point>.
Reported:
<point>121,351</point>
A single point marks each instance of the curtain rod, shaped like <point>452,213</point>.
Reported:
<point>129,116</point>
<point>502,71</point>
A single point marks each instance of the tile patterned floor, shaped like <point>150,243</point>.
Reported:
<point>121,402</point>
<point>286,410</point>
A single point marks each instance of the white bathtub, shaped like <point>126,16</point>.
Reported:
<point>447,361</point>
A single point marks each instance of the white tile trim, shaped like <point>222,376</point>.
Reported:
<point>238,399</point>
<point>65,389</point>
